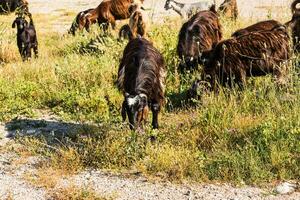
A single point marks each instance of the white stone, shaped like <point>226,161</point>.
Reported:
<point>285,188</point>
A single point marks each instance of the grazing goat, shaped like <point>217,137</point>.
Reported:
<point>200,33</point>
<point>253,54</point>
<point>229,9</point>
<point>26,37</point>
<point>136,26</point>
<point>105,14</point>
<point>186,10</point>
<point>80,21</point>
<point>7,6</point>
<point>141,79</point>
<point>260,26</point>
<point>295,25</point>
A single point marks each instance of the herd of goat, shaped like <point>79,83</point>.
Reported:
<point>260,49</point>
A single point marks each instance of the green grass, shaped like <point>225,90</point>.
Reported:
<point>249,136</point>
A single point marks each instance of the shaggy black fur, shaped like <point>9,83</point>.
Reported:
<point>141,79</point>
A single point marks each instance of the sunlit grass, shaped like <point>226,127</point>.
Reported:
<point>250,135</point>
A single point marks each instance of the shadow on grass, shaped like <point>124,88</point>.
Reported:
<point>176,101</point>
<point>51,131</point>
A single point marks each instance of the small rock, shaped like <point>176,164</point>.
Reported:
<point>285,188</point>
<point>30,132</point>
<point>188,193</point>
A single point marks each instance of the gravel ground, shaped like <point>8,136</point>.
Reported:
<point>121,187</point>
<point>12,184</point>
<point>140,188</point>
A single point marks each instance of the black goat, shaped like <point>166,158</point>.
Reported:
<point>26,37</point>
<point>141,79</point>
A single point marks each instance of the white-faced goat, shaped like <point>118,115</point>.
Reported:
<point>186,10</point>
<point>141,79</point>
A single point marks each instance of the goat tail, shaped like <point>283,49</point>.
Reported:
<point>294,6</point>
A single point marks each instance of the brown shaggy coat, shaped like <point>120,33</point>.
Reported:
<point>200,33</point>
<point>229,9</point>
<point>260,26</point>
<point>253,54</point>
<point>106,13</point>
<point>80,21</point>
<point>142,72</point>
<point>136,26</point>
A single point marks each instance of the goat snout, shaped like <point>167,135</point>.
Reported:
<point>190,60</point>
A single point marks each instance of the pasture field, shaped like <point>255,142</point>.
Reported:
<point>250,136</point>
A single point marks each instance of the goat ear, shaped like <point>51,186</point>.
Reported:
<point>14,24</point>
<point>123,112</point>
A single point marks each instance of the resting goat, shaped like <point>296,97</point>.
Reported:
<point>26,37</point>
<point>186,10</point>
<point>259,26</point>
<point>141,79</point>
<point>254,54</point>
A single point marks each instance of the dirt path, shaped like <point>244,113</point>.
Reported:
<point>12,184</point>
<point>249,9</point>
<point>120,186</point>
<point>140,188</point>
<point>62,12</point>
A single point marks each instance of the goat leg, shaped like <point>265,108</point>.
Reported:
<point>36,52</point>
<point>28,52</point>
<point>155,107</point>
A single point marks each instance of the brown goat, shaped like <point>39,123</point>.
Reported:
<point>80,21</point>
<point>229,9</point>
<point>253,54</point>
<point>141,79</point>
<point>295,25</point>
<point>260,26</point>
<point>106,13</point>
<point>201,33</point>
<point>136,26</point>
